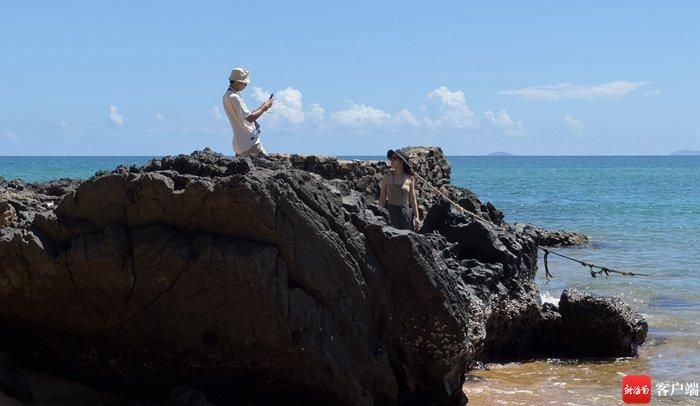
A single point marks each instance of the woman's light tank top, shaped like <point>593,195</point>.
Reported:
<point>397,195</point>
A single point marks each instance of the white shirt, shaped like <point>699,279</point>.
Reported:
<point>245,135</point>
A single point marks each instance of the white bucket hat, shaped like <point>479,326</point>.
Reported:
<point>239,75</point>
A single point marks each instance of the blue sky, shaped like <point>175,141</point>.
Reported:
<point>352,78</point>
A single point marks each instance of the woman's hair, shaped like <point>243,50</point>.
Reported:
<point>406,167</point>
<point>394,154</point>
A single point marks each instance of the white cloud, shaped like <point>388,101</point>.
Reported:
<point>216,113</point>
<point>115,117</point>
<point>444,111</point>
<point>407,117</point>
<point>10,135</point>
<point>287,105</point>
<point>316,113</point>
<point>575,124</point>
<point>563,91</point>
<point>503,121</point>
<point>652,93</point>
<point>452,109</point>
<point>160,118</point>
<point>449,110</point>
<point>359,115</point>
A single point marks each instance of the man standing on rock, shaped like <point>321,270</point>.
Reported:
<point>246,130</point>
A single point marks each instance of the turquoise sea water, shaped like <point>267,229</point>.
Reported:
<point>643,215</point>
<point>44,168</point>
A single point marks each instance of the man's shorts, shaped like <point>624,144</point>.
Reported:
<point>256,149</point>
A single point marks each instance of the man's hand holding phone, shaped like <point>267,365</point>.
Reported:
<point>268,103</point>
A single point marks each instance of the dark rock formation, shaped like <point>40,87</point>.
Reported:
<point>428,162</point>
<point>19,200</point>
<point>254,281</point>
<point>559,238</point>
<point>12,383</point>
<point>476,238</point>
<point>585,325</point>
<point>186,396</point>
<point>502,271</point>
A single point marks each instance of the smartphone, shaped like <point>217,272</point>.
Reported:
<point>271,96</point>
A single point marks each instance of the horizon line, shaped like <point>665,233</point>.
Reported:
<point>340,155</point>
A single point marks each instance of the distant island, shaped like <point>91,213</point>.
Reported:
<point>686,152</point>
<point>500,153</point>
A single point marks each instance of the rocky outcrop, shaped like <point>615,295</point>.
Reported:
<point>558,238</point>
<point>12,383</point>
<point>428,162</point>
<point>253,281</point>
<point>19,200</point>
<point>7,214</point>
<point>585,325</point>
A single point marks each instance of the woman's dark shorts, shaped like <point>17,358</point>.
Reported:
<point>400,217</point>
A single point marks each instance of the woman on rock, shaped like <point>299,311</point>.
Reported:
<point>398,192</point>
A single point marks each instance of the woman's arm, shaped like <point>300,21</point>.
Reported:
<point>414,203</point>
<point>382,191</point>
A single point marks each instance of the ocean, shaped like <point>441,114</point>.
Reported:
<point>642,214</point>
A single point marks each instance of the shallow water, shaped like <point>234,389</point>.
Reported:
<point>643,214</point>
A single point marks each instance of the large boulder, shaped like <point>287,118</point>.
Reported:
<point>586,325</point>
<point>254,281</point>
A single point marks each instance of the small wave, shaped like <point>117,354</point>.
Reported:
<point>549,298</point>
<point>667,302</point>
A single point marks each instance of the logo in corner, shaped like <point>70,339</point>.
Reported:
<point>636,389</point>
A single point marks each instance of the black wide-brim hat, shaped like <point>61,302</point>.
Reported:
<point>399,153</point>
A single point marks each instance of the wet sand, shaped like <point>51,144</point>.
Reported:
<point>570,382</point>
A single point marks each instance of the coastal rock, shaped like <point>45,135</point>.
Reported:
<point>599,326</point>
<point>558,238</point>
<point>143,264</point>
<point>7,214</point>
<point>432,166</point>
<point>19,200</point>
<point>586,325</point>
<point>255,281</point>
<point>364,176</point>
<point>12,383</point>
<point>476,238</point>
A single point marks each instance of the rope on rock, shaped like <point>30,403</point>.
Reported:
<point>457,205</point>
<point>603,270</point>
<point>462,209</point>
